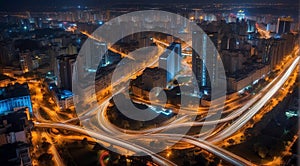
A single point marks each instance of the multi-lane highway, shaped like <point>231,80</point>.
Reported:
<point>103,137</point>
<point>277,82</point>
<point>247,111</point>
<point>230,157</point>
<point>241,121</point>
<point>237,117</point>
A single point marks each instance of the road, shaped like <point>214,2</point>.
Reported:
<point>53,149</point>
<point>241,121</point>
<point>230,157</point>
<point>247,112</point>
<point>103,137</point>
<point>88,113</point>
<point>226,155</point>
<point>241,117</point>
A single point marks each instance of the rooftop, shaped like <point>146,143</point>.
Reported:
<point>16,90</point>
<point>16,121</point>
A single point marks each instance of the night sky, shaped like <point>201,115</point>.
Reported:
<point>33,4</point>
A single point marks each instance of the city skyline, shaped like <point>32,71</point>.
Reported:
<point>146,83</point>
<point>94,3</point>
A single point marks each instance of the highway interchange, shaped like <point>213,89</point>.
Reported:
<point>237,118</point>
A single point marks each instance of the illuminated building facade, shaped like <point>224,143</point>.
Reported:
<point>241,15</point>
<point>170,60</point>
<point>93,59</point>
<point>15,97</point>
<point>250,26</point>
<point>65,99</point>
<point>205,58</point>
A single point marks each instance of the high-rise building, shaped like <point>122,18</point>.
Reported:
<point>6,52</point>
<point>250,26</point>
<point>170,60</point>
<point>93,59</point>
<point>271,27</point>
<point>26,61</point>
<point>71,49</point>
<point>203,60</point>
<point>233,60</point>
<point>241,15</point>
<point>281,47</point>
<point>284,25</point>
<point>65,66</point>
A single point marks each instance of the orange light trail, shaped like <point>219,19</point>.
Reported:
<point>265,34</point>
<point>167,44</point>
<point>71,29</point>
<point>109,47</point>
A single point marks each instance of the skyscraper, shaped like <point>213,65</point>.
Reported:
<point>284,25</point>
<point>204,60</point>
<point>93,54</point>
<point>65,66</point>
<point>170,60</point>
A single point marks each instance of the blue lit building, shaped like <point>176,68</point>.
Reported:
<point>199,60</point>
<point>241,15</point>
<point>170,60</point>
<point>204,58</point>
<point>64,98</point>
<point>15,97</point>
